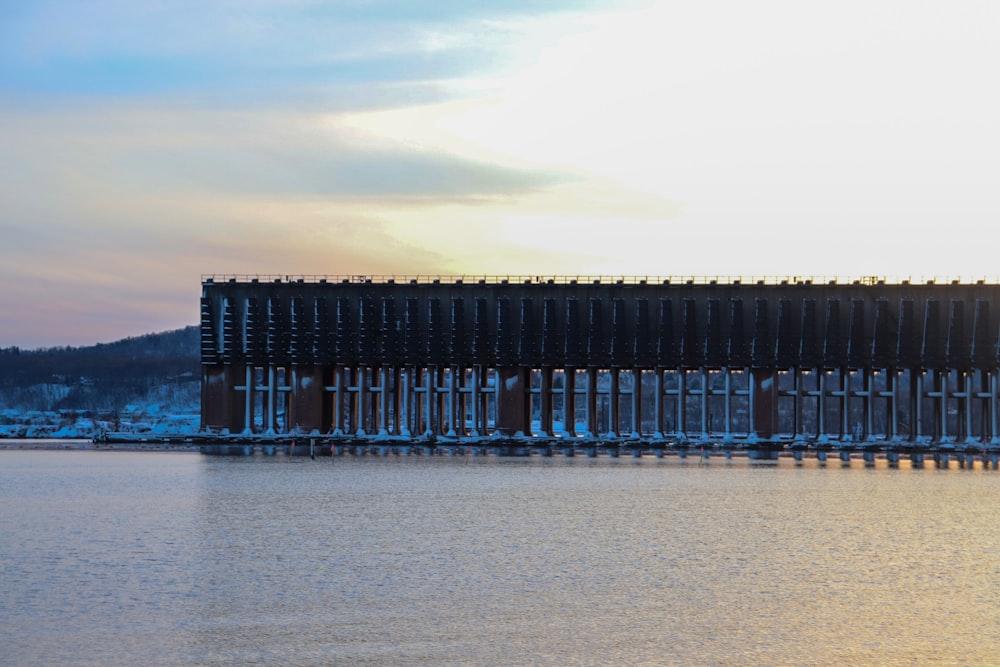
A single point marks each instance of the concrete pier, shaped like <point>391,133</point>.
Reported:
<point>625,361</point>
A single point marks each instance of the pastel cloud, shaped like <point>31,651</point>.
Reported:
<point>146,144</point>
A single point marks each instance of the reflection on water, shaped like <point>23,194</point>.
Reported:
<point>178,559</point>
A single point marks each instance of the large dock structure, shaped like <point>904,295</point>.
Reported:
<point>648,362</point>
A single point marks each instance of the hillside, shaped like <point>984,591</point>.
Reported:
<point>147,379</point>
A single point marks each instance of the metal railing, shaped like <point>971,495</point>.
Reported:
<point>497,279</point>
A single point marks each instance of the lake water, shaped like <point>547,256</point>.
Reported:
<point>118,558</point>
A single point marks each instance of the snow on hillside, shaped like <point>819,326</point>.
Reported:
<point>148,384</point>
<point>181,415</point>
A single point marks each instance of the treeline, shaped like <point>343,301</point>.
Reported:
<point>103,377</point>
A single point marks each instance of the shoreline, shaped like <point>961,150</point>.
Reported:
<point>80,444</point>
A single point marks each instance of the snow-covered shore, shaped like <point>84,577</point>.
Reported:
<point>76,425</point>
<point>58,444</point>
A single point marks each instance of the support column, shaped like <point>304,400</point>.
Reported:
<point>248,401</point>
<point>489,393</point>
<point>892,385</point>
<point>994,417</point>
<point>727,410</point>
<point>985,400</point>
<point>218,408</point>
<point>868,385</point>
<point>353,400</point>
<point>797,426</point>
<point>395,401</point>
<point>428,401</point>
<point>764,402</point>
<point>845,405</point>
<point>403,420</point>
<point>681,404</point>
<point>305,413</point>
<point>452,395</point>
<point>967,403</point>
<point>658,406</point>
<point>513,395</point>
<point>363,403</point>
<point>614,403</point>
<point>340,400</point>
<point>636,402</point>
<point>941,406</point>
<point>916,401</point>
<point>545,402</point>
<point>440,393</point>
<point>591,399</point>
<point>272,390</point>
<point>705,393</point>
<point>383,402</point>
<point>821,434</point>
<point>844,393</point>
<point>476,402</point>
<point>569,402</point>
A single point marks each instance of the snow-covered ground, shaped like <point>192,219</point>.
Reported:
<point>154,418</point>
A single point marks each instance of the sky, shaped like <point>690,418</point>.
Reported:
<point>145,144</point>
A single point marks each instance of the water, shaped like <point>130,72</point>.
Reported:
<point>115,558</point>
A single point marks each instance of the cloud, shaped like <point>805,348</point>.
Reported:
<point>111,47</point>
<point>148,143</point>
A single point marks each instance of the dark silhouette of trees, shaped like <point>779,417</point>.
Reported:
<point>102,377</point>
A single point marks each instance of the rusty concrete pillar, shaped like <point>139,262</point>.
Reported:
<point>545,402</point>
<point>404,420</point>
<point>362,403</point>
<point>395,401</point>
<point>965,380</point>
<point>845,404</point>
<point>383,401</point>
<point>440,401</point>
<point>452,400</point>
<point>636,403</point>
<point>305,409</point>
<point>821,430</point>
<point>513,401</point>
<point>681,414</point>
<point>764,399</point>
<point>220,407</point>
<point>994,432</point>
<point>476,402</point>
<point>248,402</point>
<point>340,403</point>
<point>352,399</point>
<point>591,400</point>
<point>892,387</point>
<point>569,402</point>
<point>916,405</point>
<point>270,403</point>
<point>427,406</point>
<point>940,395</point>
<point>463,378</point>
<point>705,393</point>
<point>614,404</point>
<point>658,405</point>
<point>798,425</point>
<point>727,410</point>
<point>868,405</point>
